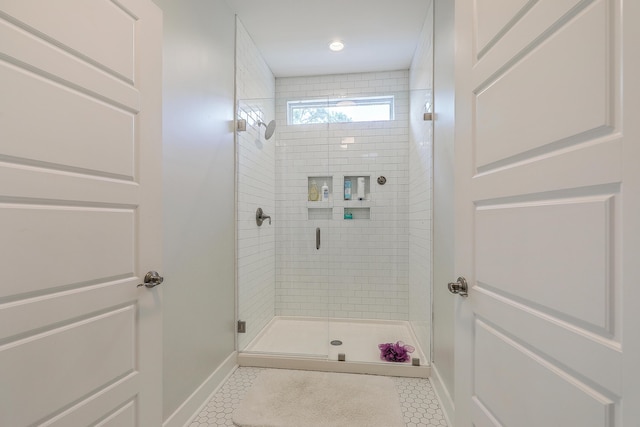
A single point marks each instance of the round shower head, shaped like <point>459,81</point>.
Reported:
<point>270,128</point>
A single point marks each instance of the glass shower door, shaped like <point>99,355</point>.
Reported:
<point>282,266</point>
<point>304,206</point>
<point>370,231</point>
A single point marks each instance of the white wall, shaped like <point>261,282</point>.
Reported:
<point>362,267</point>
<point>198,194</point>
<point>421,186</point>
<point>255,86</point>
<point>443,315</point>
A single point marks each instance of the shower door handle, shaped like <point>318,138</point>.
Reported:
<point>318,238</point>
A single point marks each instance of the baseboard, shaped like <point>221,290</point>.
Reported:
<point>443,394</point>
<point>201,396</point>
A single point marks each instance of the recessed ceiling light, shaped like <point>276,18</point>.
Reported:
<point>336,46</point>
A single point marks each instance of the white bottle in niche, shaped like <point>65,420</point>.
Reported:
<point>361,188</point>
<point>325,192</point>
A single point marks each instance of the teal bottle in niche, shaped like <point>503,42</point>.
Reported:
<point>347,189</point>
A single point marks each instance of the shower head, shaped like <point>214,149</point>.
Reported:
<point>270,128</point>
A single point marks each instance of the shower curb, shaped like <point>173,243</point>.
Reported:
<point>324,365</point>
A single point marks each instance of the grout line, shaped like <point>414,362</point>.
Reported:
<point>419,404</point>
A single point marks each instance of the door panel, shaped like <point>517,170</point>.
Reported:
<point>102,32</point>
<point>539,197</point>
<point>123,417</point>
<point>555,398</point>
<point>100,136</point>
<point>522,32</point>
<point>496,17</point>
<point>80,156</point>
<point>98,242</point>
<point>550,253</point>
<point>54,62</point>
<point>540,119</point>
<point>546,333</point>
<point>71,359</point>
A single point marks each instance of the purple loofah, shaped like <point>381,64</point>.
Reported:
<point>398,352</point>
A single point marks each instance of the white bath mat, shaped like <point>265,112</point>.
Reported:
<point>285,398</point>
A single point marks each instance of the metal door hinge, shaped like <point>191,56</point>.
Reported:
<point>242,327</point>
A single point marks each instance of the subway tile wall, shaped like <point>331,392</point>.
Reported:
<point>255,86</point>
<point>362,267</point>
<point>421,187</point>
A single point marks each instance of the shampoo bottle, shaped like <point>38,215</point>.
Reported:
<point>325,192</point>
<point>313,191</point>
<point>347,189</point>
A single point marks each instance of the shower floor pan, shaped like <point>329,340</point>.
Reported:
<point>305,343</point>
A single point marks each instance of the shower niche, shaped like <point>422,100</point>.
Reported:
<point>360,188</point>
<point>317,208</point>
<point>339,204</point>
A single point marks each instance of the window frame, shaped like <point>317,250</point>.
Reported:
<point>363,101</point>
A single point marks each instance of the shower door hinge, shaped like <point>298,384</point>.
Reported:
<point>242,326</point>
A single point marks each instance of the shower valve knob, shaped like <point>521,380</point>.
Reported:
<point>261,217</point>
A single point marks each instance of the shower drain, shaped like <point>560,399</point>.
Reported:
<point>336,342</point>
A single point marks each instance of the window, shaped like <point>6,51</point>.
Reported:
<point>367,109</point>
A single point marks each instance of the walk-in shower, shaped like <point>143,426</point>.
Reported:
<point>359,184</point>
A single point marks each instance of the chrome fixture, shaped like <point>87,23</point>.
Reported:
<point>460,287</point>
<point>269,128</point>
<point>152,279</point>
<point>260,217</point>
<point>242,326</point>
<point>318,238</point>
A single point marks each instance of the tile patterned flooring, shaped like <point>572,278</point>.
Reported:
<point>420,405</point>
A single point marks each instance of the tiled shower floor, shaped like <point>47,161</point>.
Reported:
<point>420,406</point>
<point>312,336</point>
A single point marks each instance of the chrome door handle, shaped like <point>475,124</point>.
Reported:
<point>318,238</point>
<point>152,279</point>
<point>460,287</point>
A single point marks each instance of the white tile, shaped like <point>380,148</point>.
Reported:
<point>417,400</point>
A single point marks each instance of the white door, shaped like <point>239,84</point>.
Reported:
<point>80,157</point>
<point>548,213</point>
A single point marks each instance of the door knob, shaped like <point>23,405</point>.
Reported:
<point>459,287</point>
<point>152,279</point>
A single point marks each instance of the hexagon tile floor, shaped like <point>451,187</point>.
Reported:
<point>420,405</point>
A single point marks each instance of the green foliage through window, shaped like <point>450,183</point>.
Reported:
<point>317,115</point>
<point>340,110</point>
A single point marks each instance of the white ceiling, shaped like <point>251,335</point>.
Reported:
<point>294,35</point>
